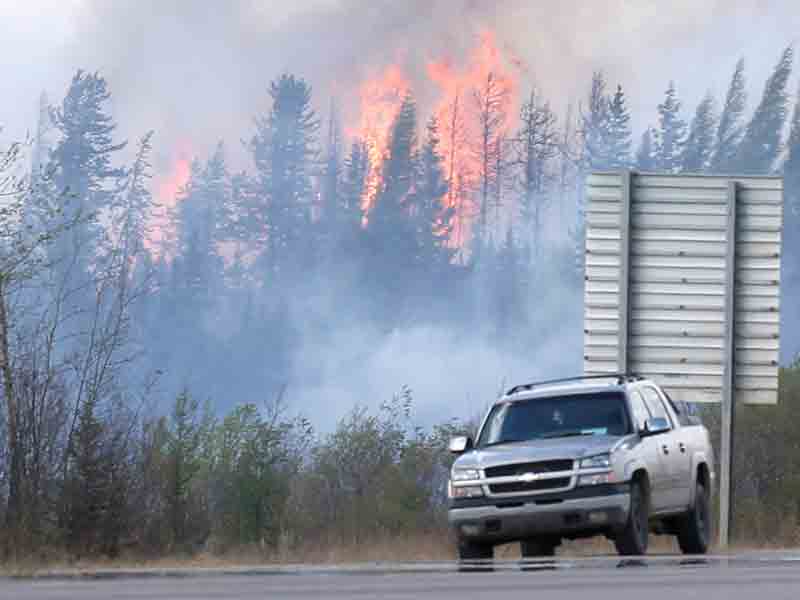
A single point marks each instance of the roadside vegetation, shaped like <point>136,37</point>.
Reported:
<point>165,369</point>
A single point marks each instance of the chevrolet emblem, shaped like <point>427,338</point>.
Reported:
<point>528,477</point>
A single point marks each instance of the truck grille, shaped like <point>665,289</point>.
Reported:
<point>532,486</point>
<point>546,466</point>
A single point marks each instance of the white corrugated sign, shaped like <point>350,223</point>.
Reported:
<point>657,300</point>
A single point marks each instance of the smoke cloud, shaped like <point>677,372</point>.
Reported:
<point>198,72</point>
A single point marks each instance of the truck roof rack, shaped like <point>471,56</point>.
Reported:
<point>620,377</point>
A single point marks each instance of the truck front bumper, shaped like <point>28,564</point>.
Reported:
<point>577,513</point>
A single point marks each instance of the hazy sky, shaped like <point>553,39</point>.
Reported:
<point>197,71</point>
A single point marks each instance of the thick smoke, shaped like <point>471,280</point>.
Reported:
<point>197,72</point>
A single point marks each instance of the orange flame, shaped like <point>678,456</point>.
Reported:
<point>456,111</point>
<point>457,114</point>
<point>380,102</point>
<point>167,190</point>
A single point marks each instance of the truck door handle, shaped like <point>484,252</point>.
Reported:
<point>682,446</point>
<point>665,448</point>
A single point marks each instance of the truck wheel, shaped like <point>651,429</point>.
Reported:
<point>468,550</point>
<point>538,547</point>
<point>694,528</point>
<point>632,539</point>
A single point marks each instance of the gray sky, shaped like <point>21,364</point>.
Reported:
<point>197,71</point>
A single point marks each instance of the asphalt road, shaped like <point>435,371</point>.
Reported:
<point>760,577</point>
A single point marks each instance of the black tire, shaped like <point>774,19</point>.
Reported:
<point>538,547</point>
<point>633,538</point>
<point>694,528</point>
<point>468,550</point>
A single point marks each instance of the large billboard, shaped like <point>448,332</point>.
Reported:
<point>683,282</point>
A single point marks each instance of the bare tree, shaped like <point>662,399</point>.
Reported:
<point>490,102</point>
<point>536,147</point>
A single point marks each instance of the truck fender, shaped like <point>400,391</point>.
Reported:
<point>632,466</point>
<point>698,458</point>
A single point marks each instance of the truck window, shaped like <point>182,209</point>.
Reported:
<point>638,410</point>
<point>680,409</point>
<point>655,404</point>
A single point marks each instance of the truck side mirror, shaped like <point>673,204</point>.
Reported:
<point>654,427</point>
<point>460,444</point>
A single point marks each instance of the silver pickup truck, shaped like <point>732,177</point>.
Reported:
<point>569,459</point>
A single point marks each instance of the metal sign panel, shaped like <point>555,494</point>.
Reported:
<point>680,271</point>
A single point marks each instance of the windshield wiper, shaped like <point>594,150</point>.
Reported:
<point>560,434</point>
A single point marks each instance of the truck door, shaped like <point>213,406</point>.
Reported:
<point>673,449</point>
<point>649,451</point>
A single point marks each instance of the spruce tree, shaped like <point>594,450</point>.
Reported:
<point>432,218</point>
<point>284,150</point>
<point>356,169</point>
<point>88,481</point>
<point>331,187</point>
<point>645,155</point>
<point>791,177</point>
<point>398,170</point>
<point>198,226</point>
<point>761,144</point>
<point>391,244</point>
<point>671,137</point>
<point>536,147</point>
<point>595,126</point>
<point>730,129</point>
<point>700,143</point>
<point>82,164</point>
<point>619,132</point>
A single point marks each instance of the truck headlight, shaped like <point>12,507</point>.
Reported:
<point>467,491</point>
<point>596,479</point>
<point>465,475</point>
<point>601,461</point>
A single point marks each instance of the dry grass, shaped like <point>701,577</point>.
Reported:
<point>433,546</point>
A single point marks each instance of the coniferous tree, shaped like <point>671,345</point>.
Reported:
<point>398,170</point>
<point>700,143</point>
<point>619,132</point>
<point>198,224</point>
<point>390,237</point>
<point>284,149</point>
<point>356,169</point>
<point>82,163</point>
<point>595,127</point>
<point>536,146</point>
<point>432,218</point>
<point>671,135</point>
<point>761,144</point>
<point>331,192</point>
<point>645,155</point>
<point>730,129</point>
<point>87,499</point>
<point>791,175</point>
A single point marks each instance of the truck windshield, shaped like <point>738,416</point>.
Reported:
<point>560,416</point>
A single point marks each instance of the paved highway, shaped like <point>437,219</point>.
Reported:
<point>759,577</point>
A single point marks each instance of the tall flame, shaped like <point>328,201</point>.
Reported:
<point>456,110</point>
<point>459,125</point>
<point>167,189</point>
<point>380,102</point>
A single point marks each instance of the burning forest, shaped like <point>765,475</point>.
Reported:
<point>200,335</point>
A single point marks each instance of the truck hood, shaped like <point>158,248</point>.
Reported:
<point>536,450</point>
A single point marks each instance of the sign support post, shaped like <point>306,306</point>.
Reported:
<point>624,275</point>
<point>729,376</point>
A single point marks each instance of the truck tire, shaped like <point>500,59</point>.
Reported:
<point>469,550</point>
<point>538,547</point>
<point>633,538</point>
<point>694,528</point>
